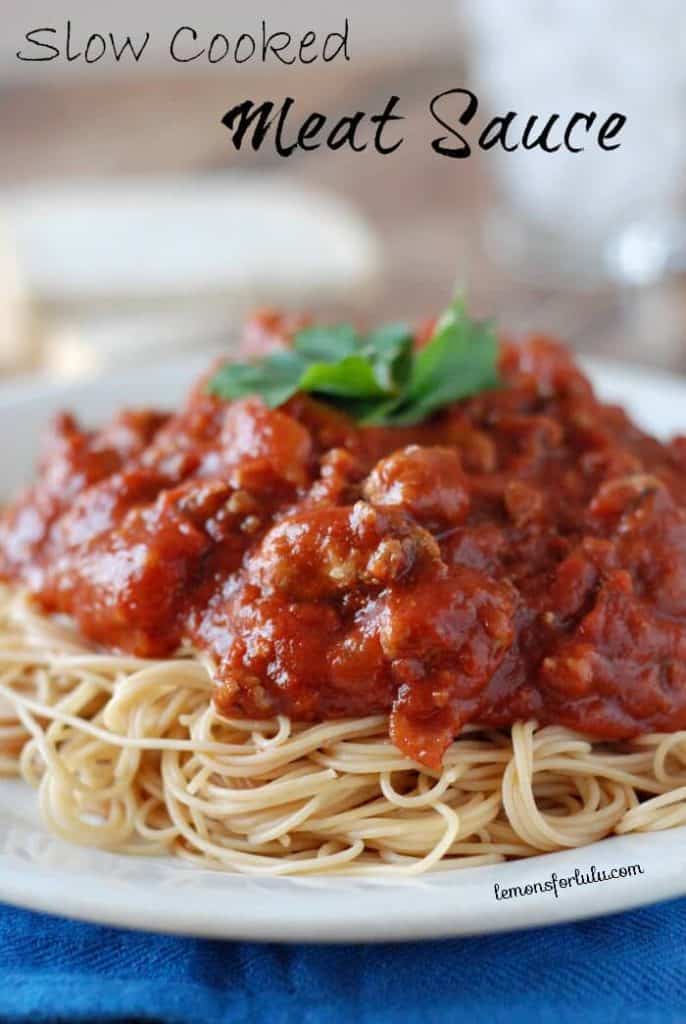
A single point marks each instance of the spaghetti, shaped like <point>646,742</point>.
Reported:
<point>131,755</point>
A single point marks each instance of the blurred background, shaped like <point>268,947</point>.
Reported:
<point>130,228</point>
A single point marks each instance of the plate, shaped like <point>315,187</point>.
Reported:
<point>226,239</point>
<point>41,872</point>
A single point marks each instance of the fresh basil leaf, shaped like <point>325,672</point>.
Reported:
<point>390,350</point>
<point>326,344</point>
<point>275,379</point>
<point>376,379</point>
<point>352,377</point>
<point>459,360</point>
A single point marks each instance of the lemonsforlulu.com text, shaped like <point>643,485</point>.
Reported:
<point>554,884</point>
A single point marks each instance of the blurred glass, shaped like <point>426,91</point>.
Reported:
<point>580,219</point>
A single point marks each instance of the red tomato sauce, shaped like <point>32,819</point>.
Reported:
<point>520,556</point>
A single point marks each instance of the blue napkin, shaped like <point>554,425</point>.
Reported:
<point>628,968</point>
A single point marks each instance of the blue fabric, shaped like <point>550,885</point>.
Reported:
<point>627,969</point>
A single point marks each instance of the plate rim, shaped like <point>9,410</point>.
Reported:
<point>353,909</point>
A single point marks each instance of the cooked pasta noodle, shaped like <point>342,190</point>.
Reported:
<point>130,755</point>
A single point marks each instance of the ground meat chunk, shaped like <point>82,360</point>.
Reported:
<point>325,552</point>
<point>426,482</point>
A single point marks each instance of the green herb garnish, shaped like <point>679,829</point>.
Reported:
<point>378,378</point>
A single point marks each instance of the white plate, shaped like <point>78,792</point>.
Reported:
<point>225,238</point>
<point>39,871</point>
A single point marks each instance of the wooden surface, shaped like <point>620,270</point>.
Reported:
<point>427,210</point>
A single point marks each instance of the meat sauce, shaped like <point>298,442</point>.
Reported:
<point>520,556</point>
